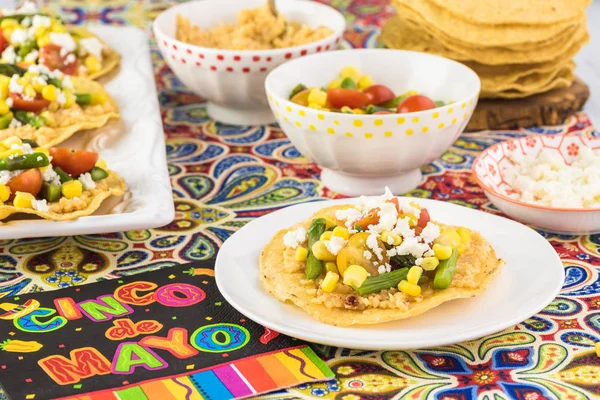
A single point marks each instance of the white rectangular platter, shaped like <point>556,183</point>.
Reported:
<point>134,147</point>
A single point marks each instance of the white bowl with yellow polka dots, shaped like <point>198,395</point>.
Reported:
<point>361,154</point>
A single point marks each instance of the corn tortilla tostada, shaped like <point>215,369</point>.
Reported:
<point>28,36</point>
<point>375,263</point>
<point>48,107</point>
<point>56,184</point>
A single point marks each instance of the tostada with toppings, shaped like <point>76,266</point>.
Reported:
<point>48,107</point>
<point>380,260</point>
<point>28,37</point>
<point>56,184</point>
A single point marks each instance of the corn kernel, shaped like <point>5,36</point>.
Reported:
<point>412,220</point>
<point>320,251</point>
<point>101,163</point>
<point>391,238</point>
<point>350,72</point>
<point>329,282</point>
<point>41,150</point>
<point>92,64</point>
<point>442,252</point>
<point>414,204</point>
<point>326,235</point>
<point>465,235</point>
<point>49,117</point>
<point>414,274</point>
<point>597,347</point>
<point>334,84</point>
<point>50,92</point>
<point>72,189</point>
<point>430,263</point>
<point>411,92</point>
<point>43,40</point>
<point>342,232</point>
<point>98,98</point>
<point>331,266</point>
<point>11,152</point>
<point>461,248</point>
<point>329,223</point>
<point>409,288</point>
<point>364,82</point>
<point>69,99</point>
<point>315,106</point>
<point>23,199</point>
<point>9,23</point>
<point>29,91</point>
<point>40,31</point>
<point>355,275</point>
<point>4,192</point>
<point>357,111</point>
<point>22,81</point>
<point>346,110</point>
<point>301,254</point>
<point>449,237</point>
<point>4,108</point>
<point>9,141</point>
<point>4,82</point>
<point>54,106</point>
<point>317,96</point>
<point>59,28</point>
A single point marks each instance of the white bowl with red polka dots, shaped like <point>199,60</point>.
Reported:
<point>232,81</point>
<point>362,154</point>
<point>488,167</point>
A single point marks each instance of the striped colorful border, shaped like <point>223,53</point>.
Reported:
<point>235,380</point>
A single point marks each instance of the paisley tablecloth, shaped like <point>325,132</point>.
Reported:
<point>224,176</point>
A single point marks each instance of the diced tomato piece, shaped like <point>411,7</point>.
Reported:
<point>423,218</point>
<point>51,58</point>
<point>3,42</point>
<point>372,218</point>
<point>396,203</point>
<point>340,97</point>
<point>35,105</point>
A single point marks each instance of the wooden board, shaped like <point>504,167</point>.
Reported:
<point>549,108</point>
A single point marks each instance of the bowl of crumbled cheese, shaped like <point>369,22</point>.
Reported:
<point>552,182</point>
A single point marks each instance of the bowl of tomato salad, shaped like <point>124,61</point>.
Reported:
<point>371,118</point>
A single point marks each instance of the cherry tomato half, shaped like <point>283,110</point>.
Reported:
<point>353,253</point>
<point>379,94</point>
<point>51,58</point>
<point>3,42</point>
<point>339,97</point>
<point>29,181</point>
<point>372,218</point>
<point>415,103</point>
<point>382,112</point>
<point>35,105</point>
<point>73,162</point>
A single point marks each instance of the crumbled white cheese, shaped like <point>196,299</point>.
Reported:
<point>407,208</point>
<point>547,180</point>
<point>335,244</point>
<point>381,269</point>
<point>63,40</point>
<point>294,238</point>
<point>63,52</point>
<point>9,55</point>
<point>412,246</point>
<point>430,232</point>
<point>388,215</point>
<point>373,244</point>
<point>26,148</point>
<point>70,59</point>
<point>6,176</point>
<point>14,86</point>
<point>41,20</point>
<point>40,205</point>
<point>403,228</point>
<point>87,181</point>
<point>40,80</point>
<point>419,261</point>
<point>350,215</point>
<point>50,176</point>
<point>15,123</point>
<point>61,98</point>
<point>392,252</point>
<point>82,69</point>
<point>367,254</point>
<point>19,37</point>
<point>9,101</point>
<point>92,46</point>
<point>66,83</point>
<point>367,203</point>
<point>32,56</point>
<point>29,7</point>
<point>26,21</point>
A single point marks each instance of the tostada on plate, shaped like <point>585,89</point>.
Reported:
<point>48,107</point>
<point>380,260</point>
<point>29,37</point>
<point>56,184</point>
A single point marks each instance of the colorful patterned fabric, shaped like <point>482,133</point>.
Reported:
<point>225,176</point>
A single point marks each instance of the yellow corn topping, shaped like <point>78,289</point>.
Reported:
<point>350,72</point>
<point>326,235</point>
<point>329,222</point>
<point>72,189</point>
<point>7,32</point>
<point>58,28</point>
<point>430,263</point>
<point>364,82</point>
<point>4,108</point>
<point>415,205</point>
<point>69,98</point>
<point>336,83</point>
<point>43,40</point>
<point>391,238</point>
<point>9,23</point>
<point>414,274</point>
<point>331,266</point>
<point>317,96</point>
<point>442,252</point>
<point>409,288</point>
<point>11,152</point>
<point>449,237</point>
<point>342,232</point>
<point>4,192</point>
<point>49,92</point>
<point>92,64</point>
<point>355,275</point>
<point>101,163</point>
<point>9,141</point>
<point>301,254</point>
<point>98,98</point>
<point>50,119</point>
<point>346,110</point>
<point>29,91</point>
<point>40,31</point>
<point>321,252</point>
<point>358,111</point>
<point>4,82</point>
<point>23,200</point>
<point>330,281</point>
<point>465,235</point>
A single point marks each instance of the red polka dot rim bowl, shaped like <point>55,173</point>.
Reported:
<point>488,172</point>
<point>232,81</point>
<point>361,154</point>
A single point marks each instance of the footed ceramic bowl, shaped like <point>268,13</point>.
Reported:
<point>487,171</point>
<point>362,154</point>
<point>233,80</point>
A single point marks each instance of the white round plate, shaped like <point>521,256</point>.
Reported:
<point>531,278</point>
